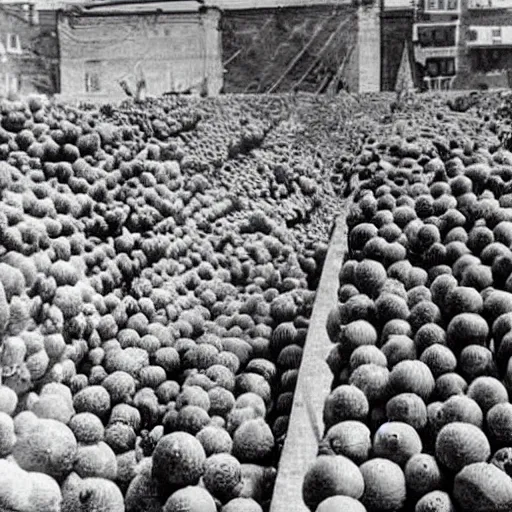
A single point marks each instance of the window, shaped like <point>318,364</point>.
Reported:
<point>12,83</point>
<point>489,60</point>
<point>442,5</point>
<point>438,36</point>
<point>433,68</point>
<point>13,43</point>
<point>440,67</point>
<point>472,35</point>
<point>496,33</point>
<point>424,37</point>
<point>449,67</point>
<point>93,76</point>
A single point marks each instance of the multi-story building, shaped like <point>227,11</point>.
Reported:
<point>463,44</point>
<point>486,44</point>
<point>436,36</point>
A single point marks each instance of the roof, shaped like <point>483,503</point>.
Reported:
<point>232,5</point>
<point>180,5</point>
<point>120,6</point>
<point>134,6</point>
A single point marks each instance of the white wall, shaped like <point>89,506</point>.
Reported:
<point>369,48</point>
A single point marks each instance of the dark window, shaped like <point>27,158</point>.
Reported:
<point>13,43</point>
<point>441,67</point>
<point>93,76</point>
<point>438,36</point>
<point>433,68</point>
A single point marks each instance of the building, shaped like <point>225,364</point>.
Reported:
<point>313,46</point>
<point>485,58</point>
<point>463,45</point>
<point>107,48</point>
<point>436,35</point>
<point>25,67</point>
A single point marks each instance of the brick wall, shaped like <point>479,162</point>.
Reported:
<point>174,52</point>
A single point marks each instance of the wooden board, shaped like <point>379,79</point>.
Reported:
<point>313,385</point>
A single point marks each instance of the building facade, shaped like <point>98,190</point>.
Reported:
<point>24,66</point>
<point>106,49</point>
<point>486,44</point>
<point>436,42</point>
<point>463,44</point>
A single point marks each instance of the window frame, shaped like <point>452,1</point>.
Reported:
<point>92,76</point>
<point>430,9</point>
<point>437,35</point>
<point>9,79</point>
<point>443,65</point>
<point>16,48</point>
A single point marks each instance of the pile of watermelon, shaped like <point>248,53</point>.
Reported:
<point>419,415</point>
<point>156,282</point>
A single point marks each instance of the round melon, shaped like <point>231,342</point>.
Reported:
<point>460,444</point>
<point>399,348</point>
<point>367,354</point>
<point>337,503</point>
<point>423,474</point>
<point>440,359</point>
<point>464,299</point>
<point>352,439</point>
<point>448,385</point>
<point>370,276</point>
<point>482,487</point>
<point>356,334</point>
<point>407,408</point>
<point>331,475</point>
<point>435,501</point>
<point>396,441</point>
<point>499,425</point>
<point>384,485</point>
<point>373,380</point>
<point>395,326</point>
<point>460,408</point>
<point>487,392</point>
<point>428,335</point>
<point>345,402</point>
<point>412,377</point>
<point>466,329</point>
<point>476,361</point>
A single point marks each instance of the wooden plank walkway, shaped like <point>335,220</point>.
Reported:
<point>313,385</point>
